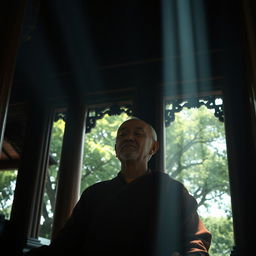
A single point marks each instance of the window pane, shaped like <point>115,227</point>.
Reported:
<point>7,188</point>
<point>48,206</point>
<point>196,156</point>
<point>100,162</point>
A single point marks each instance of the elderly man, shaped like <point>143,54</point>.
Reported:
<point>139,212</point>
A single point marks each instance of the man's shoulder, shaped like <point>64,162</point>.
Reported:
<point>101,186</point>
<point>165,177</point>
<point>175,187</point>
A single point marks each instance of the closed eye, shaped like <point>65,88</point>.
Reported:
<point>139,134</point>
<point>122,134</point>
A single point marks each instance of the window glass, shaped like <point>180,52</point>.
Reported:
<point>49,198</point>
<point>196,156</point>
<point>10,158</point>
<point>7,188</point>
<point>100,162</point>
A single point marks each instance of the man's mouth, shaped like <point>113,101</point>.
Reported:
<point>128,145</point>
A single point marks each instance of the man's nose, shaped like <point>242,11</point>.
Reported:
<point>129,136</point>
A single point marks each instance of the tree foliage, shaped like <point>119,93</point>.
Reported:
<point>51,180</point>
<point>7,186</point>
<point>221,228</point>
<point>100,162</point>
<point>196,154</point>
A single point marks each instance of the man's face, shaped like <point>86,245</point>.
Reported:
<point>134,141</point>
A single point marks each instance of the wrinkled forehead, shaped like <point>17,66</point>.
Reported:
<point>134,124</point>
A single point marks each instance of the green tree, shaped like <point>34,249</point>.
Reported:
<point>221,228</point>
<point>196,156</point>
<point>99,162</point>
<point>51,180</point>
<point>7,186</point>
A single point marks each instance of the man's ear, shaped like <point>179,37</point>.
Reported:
<point>155,147</point>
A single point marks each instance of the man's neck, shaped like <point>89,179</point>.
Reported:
<point>132,171</point>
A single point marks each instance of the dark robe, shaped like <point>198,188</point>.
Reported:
<point>150,216</point>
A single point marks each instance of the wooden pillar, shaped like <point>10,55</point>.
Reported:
<point>30,179</point>
<point>11,18</point>
<point>68,188</point>
<point>249,9</point>
<point>241,161</point>
<point>149,106</point>
<point>240,143</point>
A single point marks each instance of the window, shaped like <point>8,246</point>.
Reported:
<point>7,188</point>
<point>196,156</point>
<point>9,164</point>
<point>49,197</point>
<point>100,162</point>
